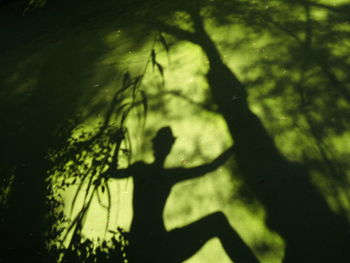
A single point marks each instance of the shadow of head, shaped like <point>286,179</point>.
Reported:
<point>163,142</point>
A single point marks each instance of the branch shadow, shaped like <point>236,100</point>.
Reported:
<point>295,207</point>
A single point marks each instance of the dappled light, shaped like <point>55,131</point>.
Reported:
<point>175,131</point>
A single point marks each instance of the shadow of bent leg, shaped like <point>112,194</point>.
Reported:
<point>184,242</point>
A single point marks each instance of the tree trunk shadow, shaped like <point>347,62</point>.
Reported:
<point>294,207</point>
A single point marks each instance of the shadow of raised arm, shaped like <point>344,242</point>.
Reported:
<point>118,173</point>
<point>180,174</point>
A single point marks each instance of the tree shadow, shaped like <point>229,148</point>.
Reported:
<point>294,206</point>
<point>313,85</point>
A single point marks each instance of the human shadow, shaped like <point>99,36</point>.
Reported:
<point>149,239</point>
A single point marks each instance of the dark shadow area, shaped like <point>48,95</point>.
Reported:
<point>295,208</point>
<point>48,64</point>
<point>149,240</point>
<point>308,56</point>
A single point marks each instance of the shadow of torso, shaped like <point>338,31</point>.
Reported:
<point>147,232</point>
<point>151,189</point>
